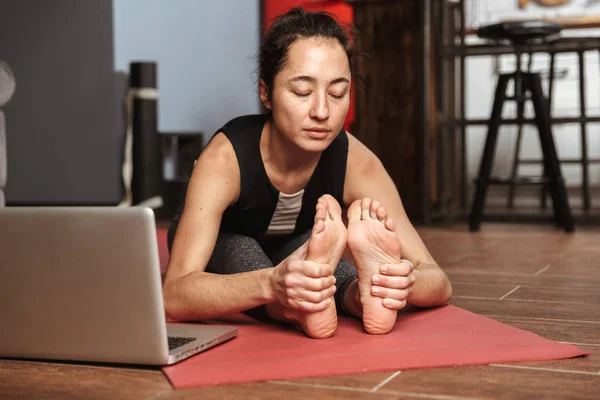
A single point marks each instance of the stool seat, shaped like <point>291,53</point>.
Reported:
<point>519,31</point>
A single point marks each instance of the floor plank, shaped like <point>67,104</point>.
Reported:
<point>367,381</point>
<point>568,292</point>
<point>572,332</point>
<point>491,290</point>
<point>543,287</point>
<point>276,391</point>
<point>489,382</point>
<point>515,308</point>
<point>48,380</point>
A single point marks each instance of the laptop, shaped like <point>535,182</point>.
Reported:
<point>84,284</point>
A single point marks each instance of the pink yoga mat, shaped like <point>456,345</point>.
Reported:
<point>163,250</point>
<point>440,337</point>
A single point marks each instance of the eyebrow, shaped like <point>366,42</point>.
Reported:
<point>305,78</point>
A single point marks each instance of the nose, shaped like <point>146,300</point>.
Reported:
<point>320,108</point>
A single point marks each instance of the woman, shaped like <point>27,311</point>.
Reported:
<point>262,228</point>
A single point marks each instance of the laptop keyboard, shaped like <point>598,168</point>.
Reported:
<point>177,341</point>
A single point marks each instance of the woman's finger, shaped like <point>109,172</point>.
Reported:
<point>393,304</point>
<point>403,268</point>
<point>300,294</point>
<point>394,282</point>
<point>396,294</point>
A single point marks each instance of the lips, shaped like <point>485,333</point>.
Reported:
<point>318,133</point>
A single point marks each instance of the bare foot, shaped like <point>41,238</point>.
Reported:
<point>325,246</point>
<point>372,241</point>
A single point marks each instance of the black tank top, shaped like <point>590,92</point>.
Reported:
<point>254,209</point>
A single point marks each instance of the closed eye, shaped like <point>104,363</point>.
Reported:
<point>335,96</point>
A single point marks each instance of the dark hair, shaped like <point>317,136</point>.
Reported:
<point>299,24</point>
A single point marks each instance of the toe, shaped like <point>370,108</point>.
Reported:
<point>322,202</point>
<point>374,207</point>
<point>354,211</point>
<point>321,205</point>
<point>321,213</point>
<point>381,214</point>
<point>333,206</point>
<point>366,208</point>
<point>318,227</point>
<point>389,225</point>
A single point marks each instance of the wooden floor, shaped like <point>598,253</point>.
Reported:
<point>530,277</point>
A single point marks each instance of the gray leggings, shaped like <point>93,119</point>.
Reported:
<point>237,253</point>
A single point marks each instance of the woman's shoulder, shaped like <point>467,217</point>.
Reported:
<point>218,151</point>
<point>356,148</point>
<point>244,123</point>
<point>360,157</point>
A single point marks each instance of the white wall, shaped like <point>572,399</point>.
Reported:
<point>206,54</point>
<point>481,81</point>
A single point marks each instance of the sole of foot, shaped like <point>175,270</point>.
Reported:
<point>372,241</point>
<point>325,246</point>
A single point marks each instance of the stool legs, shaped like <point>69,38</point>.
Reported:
<point>543,202</point>
<point>562,211</point>
<point>520,96</point>
<point>585,178</point>
<point>531,82</point>
<point>515,164</point>
<point>485,168</point>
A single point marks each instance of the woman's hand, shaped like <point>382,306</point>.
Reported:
<point>303,285</point>
<point>393,284</point>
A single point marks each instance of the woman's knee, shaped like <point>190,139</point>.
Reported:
<point>280,249</point>
<point>235,253</point>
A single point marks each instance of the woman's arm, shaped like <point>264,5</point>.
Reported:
<point>189,292</point>
<point>367,177</point>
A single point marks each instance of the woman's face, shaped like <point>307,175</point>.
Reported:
<point>311,94</point>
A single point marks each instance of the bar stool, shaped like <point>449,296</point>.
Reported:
<point>520,33</point>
